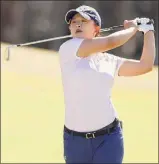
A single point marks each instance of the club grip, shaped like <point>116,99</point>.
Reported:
<point>150,22</point>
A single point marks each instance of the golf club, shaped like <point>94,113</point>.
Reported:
<point>7,55</point>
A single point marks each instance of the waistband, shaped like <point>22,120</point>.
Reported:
<point>106,130</point>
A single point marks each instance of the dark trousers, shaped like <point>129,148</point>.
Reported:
<point>107,148</point>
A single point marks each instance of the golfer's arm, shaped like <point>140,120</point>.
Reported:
<point>146,62</point>
<point>101,44</point>
<point>149,50</point>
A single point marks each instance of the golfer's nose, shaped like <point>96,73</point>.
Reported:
<point>79,24</point>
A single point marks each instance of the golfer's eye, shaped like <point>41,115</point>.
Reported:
<point>73,21</point>
<point>84,21</point>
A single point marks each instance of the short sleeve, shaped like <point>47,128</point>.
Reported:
<point>118,62</point>
<point>115,63</point>
<point>68,50</point>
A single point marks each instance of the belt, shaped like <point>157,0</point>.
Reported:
<point>106,130</point>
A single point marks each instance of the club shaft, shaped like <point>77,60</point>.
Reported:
<point>111,28</point>
<point>61,37</point>
<point>42,41</point>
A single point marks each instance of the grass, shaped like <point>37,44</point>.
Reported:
<point>32,110</point>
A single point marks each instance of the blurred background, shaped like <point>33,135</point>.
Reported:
<point>26,21</point>
<point>32,104</point>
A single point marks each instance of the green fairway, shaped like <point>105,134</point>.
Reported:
<point>32,110</point>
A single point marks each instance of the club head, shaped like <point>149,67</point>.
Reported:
<point>7,54</point>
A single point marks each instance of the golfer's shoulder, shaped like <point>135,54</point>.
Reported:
<point>71,44</point>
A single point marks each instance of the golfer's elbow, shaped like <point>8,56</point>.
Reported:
<point>147,61</point>
<point>148,69</point>
<point>147,66</point>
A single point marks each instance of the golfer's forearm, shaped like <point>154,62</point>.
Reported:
<point>102,44</point>
<point>149,50</point>
<point>119,38</point>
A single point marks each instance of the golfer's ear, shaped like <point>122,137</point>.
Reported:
<point>97,29</point>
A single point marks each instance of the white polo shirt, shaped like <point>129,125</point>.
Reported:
<point>87,84</point>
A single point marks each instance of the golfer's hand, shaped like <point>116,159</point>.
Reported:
<point>141,24</point>
<point>130,23</point>
<point>144,25</point>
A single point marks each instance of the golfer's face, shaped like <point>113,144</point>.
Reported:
<point>82,28</point>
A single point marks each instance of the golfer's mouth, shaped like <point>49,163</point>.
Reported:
<point>78,31</point>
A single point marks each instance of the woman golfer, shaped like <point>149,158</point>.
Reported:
<point>92,131</point>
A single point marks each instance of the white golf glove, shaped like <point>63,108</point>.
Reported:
<point>144,24</point>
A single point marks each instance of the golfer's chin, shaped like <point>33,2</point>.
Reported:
<point>79,35</point>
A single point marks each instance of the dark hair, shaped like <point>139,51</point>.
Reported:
<point>98,34</point>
